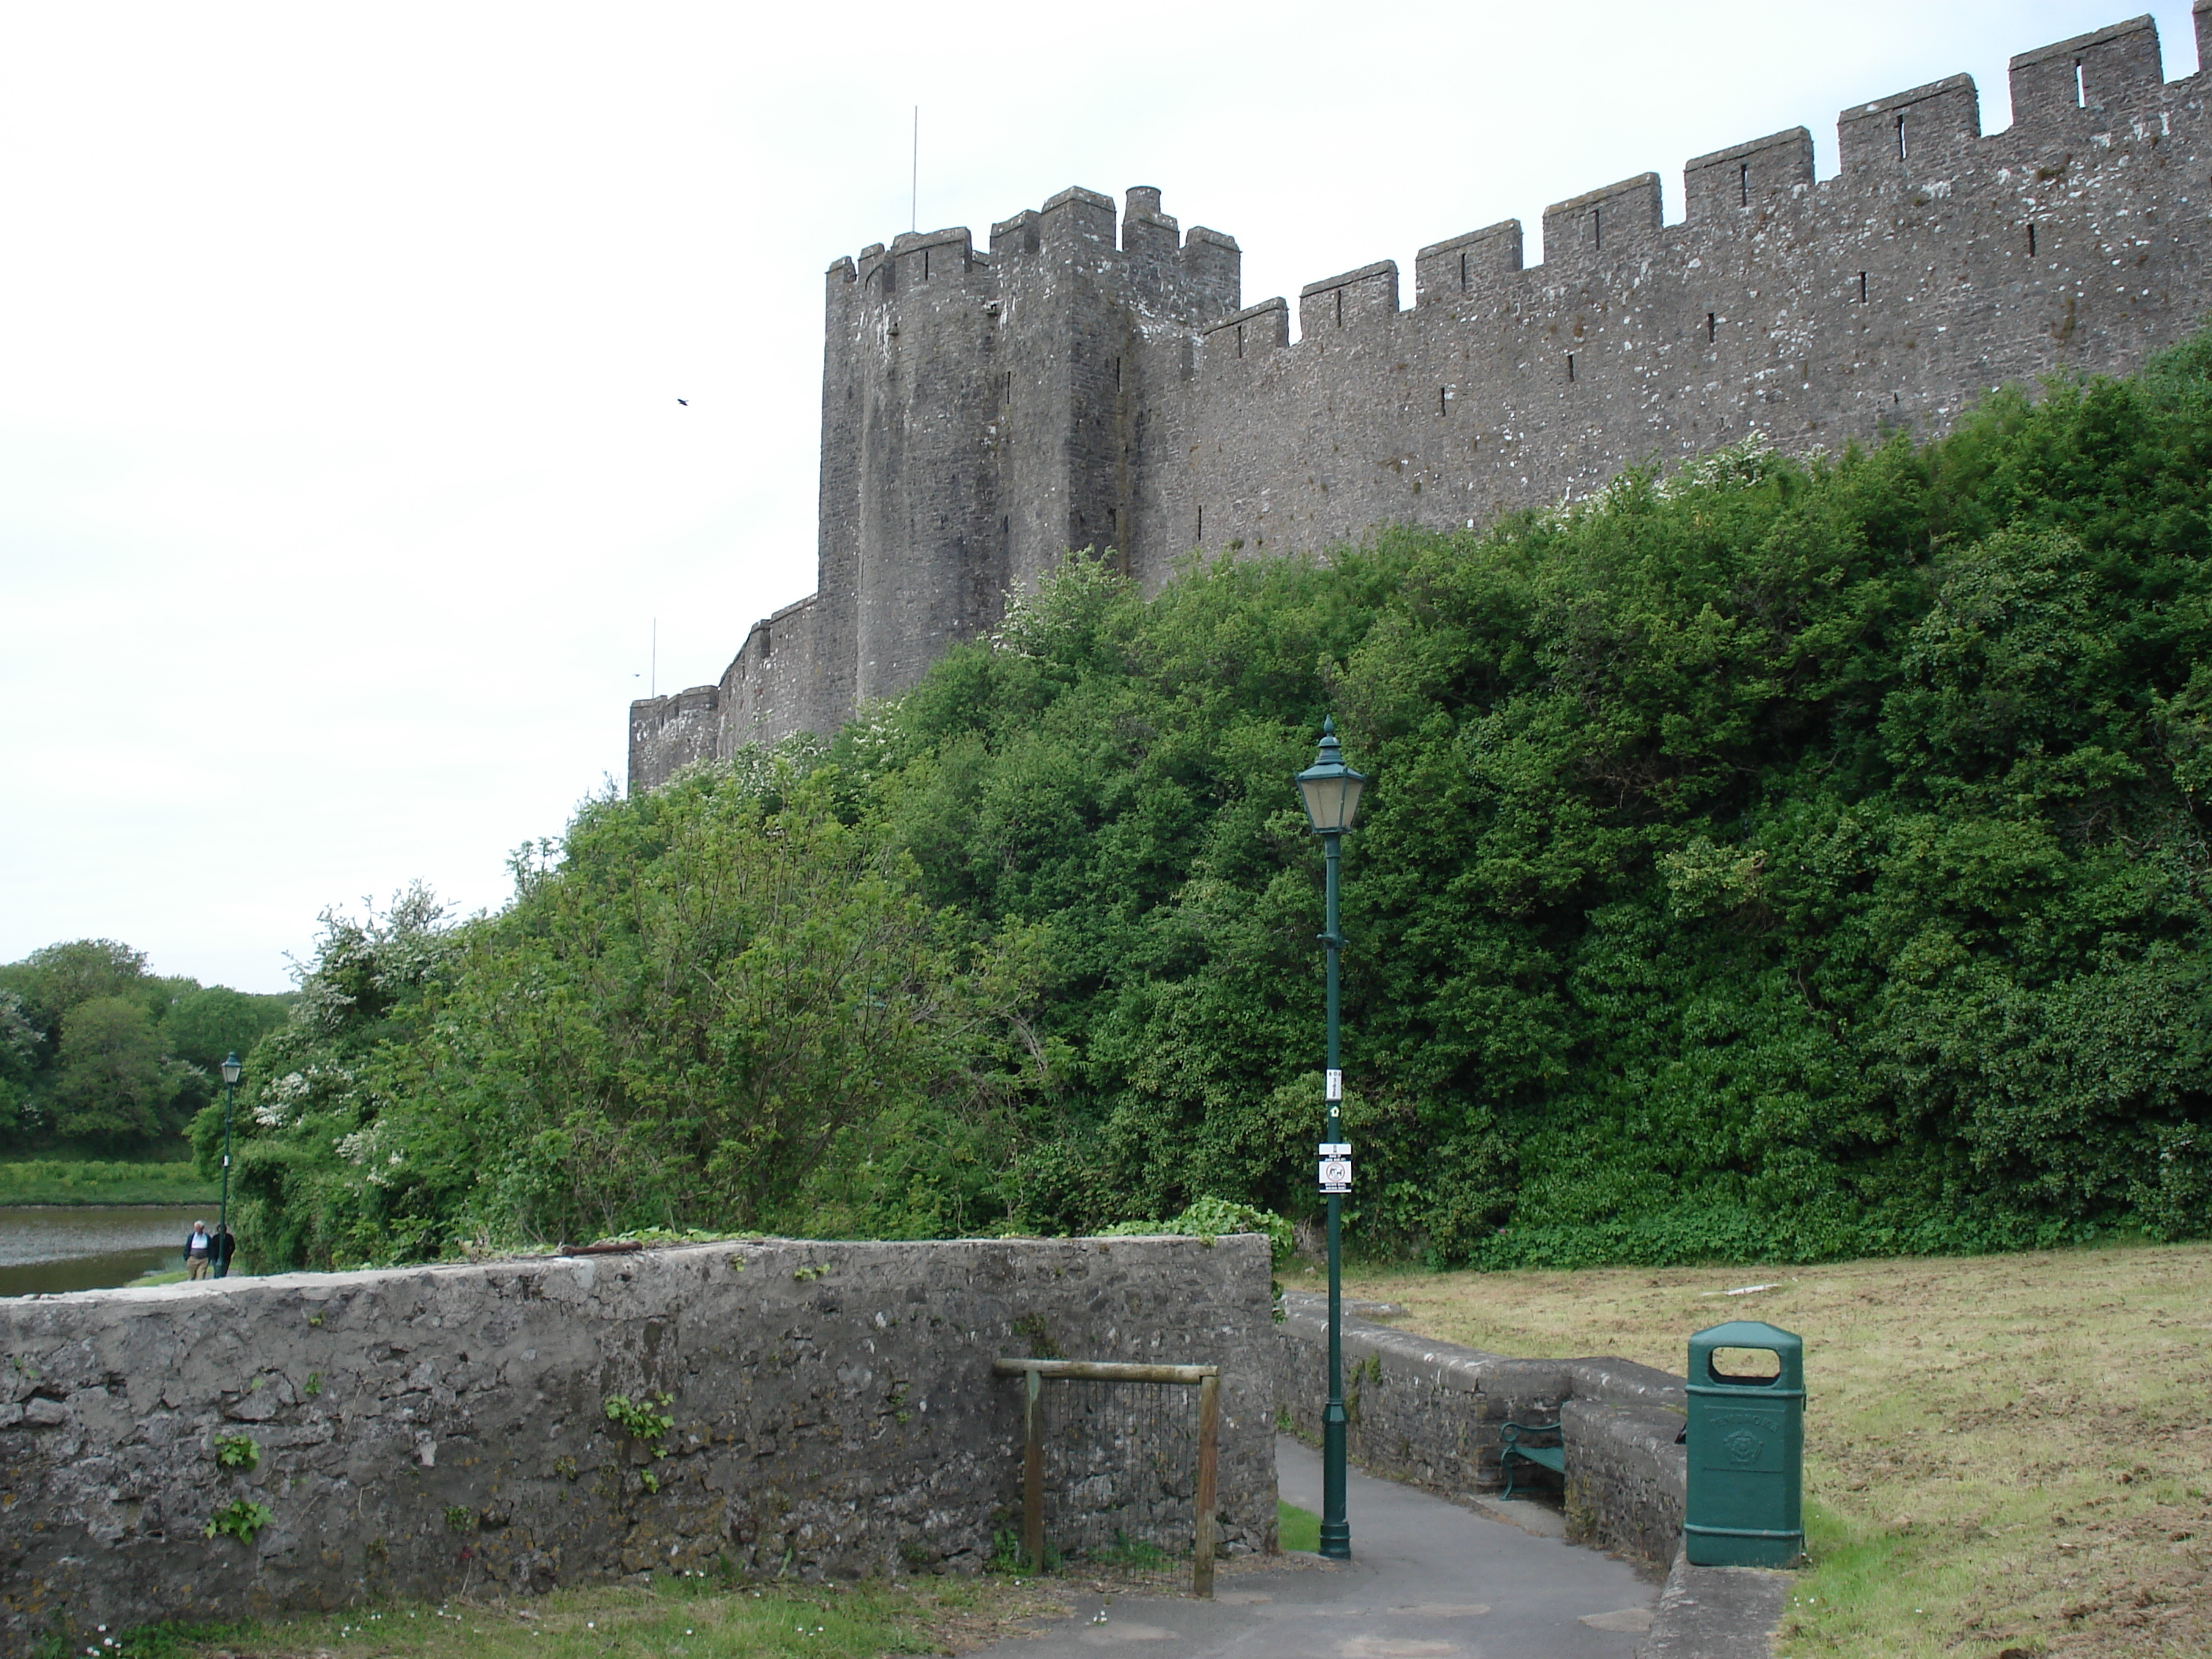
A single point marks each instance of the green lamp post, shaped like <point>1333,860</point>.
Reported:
<point>230,1070</point>
<point>1331,792</point>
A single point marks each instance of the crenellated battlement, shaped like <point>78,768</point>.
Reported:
<point>1199,273</point>
<point>1093,379</point>
<point>2071,92</point>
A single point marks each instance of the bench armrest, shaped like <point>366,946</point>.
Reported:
<point>1510,1433</point>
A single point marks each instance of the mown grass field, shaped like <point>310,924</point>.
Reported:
<point>2006,1456</point>
<point>56,1181</point>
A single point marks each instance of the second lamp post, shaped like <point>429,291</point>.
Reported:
<point>1331,793</point>
<point>230,1070</point>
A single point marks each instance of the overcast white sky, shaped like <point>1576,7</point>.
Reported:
<point>342,472</point>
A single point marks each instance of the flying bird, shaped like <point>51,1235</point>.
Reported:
<point>686,402</point>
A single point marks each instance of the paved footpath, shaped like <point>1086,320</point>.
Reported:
<point>1427,1580</point>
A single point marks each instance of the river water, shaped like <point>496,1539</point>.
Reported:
<point>89,1247</point>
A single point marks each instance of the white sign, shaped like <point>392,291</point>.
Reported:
<point>1336,1175</point>
<point>1336,1149</point>
<point>1336,1086</point>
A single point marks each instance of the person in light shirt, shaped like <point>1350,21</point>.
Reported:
<point>199,1251</point>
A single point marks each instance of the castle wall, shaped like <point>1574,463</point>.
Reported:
<point>667,734</point>
<point>923,513</point>
<point>787,678</point>
<point>1058,328</point>
<point>1077,389</point>
<point>834,634</point>
<point>434,1431</point>
<point>1809,312</point>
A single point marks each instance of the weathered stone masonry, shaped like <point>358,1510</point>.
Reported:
<point>441,1430</point>
<point>1083,383</point>
<point>1430,1413</point>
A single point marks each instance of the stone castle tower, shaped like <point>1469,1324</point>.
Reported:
<point>1097,383</point>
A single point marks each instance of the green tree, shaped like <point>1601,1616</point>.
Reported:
<point>728,1010</point>
<point>723,1006</point>
<point>20,1050</point>
<point>203,1025</point>
<point>20,1040</point>
<point>111,1085</point>
<point>311,1081</point>
<point>55,978</point>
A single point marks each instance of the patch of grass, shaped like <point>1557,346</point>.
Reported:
<point>680,1619</point>
<point>1137,1555</point>
<point>2003,1453</point>
<point>181,1638</point>
<point>63,1181</point>
<point>1297,1528</point>
<point>1007,1555</point>
<point>174,1276</point>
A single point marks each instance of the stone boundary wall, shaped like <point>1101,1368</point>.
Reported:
<point>1429,1412</point>
<point>439,1430</point>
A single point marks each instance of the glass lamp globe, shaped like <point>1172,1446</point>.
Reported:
<point>1329,787</point>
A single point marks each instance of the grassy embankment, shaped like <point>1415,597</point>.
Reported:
<point>2005,1455</point>
<point>56,1180</point>
<point>677,1618</point>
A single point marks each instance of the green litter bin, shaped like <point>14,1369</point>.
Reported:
<point>1746,1503</point>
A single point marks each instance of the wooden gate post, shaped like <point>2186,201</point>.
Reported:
<point>1033,1470</point>
<point>1033,1373</point>
<point>1209,1431</point>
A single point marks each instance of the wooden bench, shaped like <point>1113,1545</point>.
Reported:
<point>1553,1458</point>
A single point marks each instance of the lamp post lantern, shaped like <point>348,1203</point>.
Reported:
<point>230,1070</point>
<point>1331,790</point>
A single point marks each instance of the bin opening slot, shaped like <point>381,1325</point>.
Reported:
<point>1745,1365</point>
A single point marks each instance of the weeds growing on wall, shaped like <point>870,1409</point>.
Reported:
<point>1773,859</point>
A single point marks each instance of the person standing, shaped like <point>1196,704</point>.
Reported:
<point>199,1251</point>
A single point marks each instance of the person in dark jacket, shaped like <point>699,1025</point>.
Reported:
<point>199,1251</point>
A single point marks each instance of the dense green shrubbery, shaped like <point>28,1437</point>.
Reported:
<point>727,1005</point>
<point>1210,1218</point>
<point>1777,859</point>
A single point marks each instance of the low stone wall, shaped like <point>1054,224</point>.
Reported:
<point>1429,1412</point>
<point>438,1431</point>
